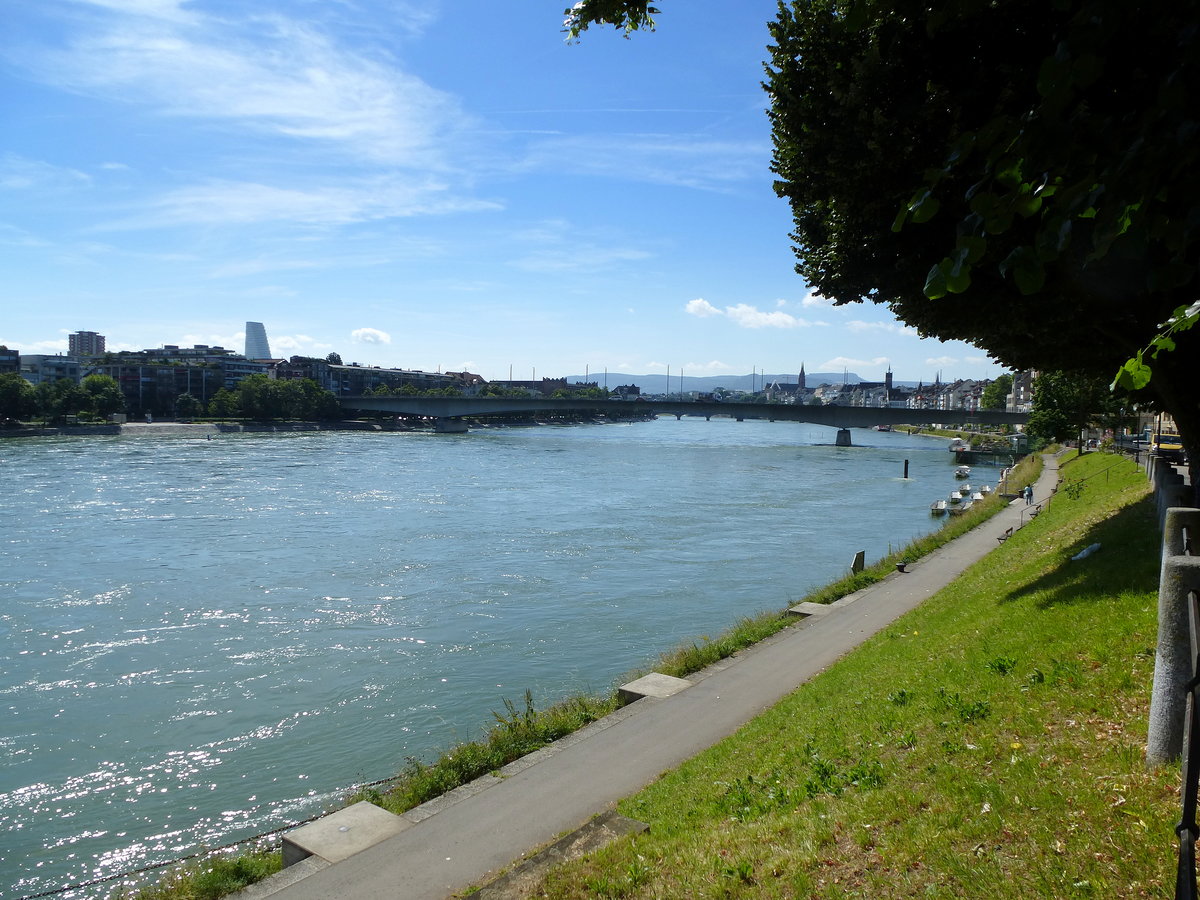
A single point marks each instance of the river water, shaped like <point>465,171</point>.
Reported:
<point>207,639</point>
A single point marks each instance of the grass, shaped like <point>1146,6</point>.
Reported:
<point>518,732</point>
<point>209,879</point>
<point>989,744</point>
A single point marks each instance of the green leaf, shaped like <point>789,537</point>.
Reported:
<point>935,283</point>
<point>1133,376</point>
<point>923,206</point>
<point>1025,269</point>
<point>974,246</point>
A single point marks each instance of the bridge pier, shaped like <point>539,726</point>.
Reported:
<point>449,425</point>
<point>843,438</point>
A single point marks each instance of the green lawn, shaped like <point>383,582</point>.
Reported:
<point>990,744</point>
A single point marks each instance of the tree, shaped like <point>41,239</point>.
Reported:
<point>17,397</point>
<point>1021,176</point>
<point>223,404</point>
<point>334,359</point>
<point>1067,403</point>
<point>105,395</point>
<point>995,395</point>
<point>58,399</point>
<point>188,407</point>
<point>627,15</point>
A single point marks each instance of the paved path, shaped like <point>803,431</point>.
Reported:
<point>471,834</point>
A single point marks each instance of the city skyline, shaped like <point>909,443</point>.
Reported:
<point>410,188</point>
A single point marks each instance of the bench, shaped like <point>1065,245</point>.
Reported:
<point>1007,534</point>
<point>1037,509</point>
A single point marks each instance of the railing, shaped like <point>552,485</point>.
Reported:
<point>1187,830</point>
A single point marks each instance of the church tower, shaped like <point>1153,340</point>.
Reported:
<point>800,380</point>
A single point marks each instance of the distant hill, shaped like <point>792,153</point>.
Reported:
<point>657,384</point>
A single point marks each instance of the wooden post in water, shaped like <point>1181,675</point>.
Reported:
<point>906,468</point>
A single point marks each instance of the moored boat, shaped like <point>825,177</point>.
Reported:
<point>937,507</point>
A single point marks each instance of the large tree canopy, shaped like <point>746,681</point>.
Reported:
<point>1020,175</point>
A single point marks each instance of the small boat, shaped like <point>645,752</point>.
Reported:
<point>985,490</point>
<point>964,488</point>
<point>937,508</point>
<point>962,471</point>
<point>955,497</point>
<point>960,509</point>
<point>977,496</point>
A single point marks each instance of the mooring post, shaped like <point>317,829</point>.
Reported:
<point>1180,574</point>
<point>843,438</point>
<point>906,468</point>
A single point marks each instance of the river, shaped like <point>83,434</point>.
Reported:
<point>204,639</point>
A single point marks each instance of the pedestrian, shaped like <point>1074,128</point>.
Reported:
<point>1028,494</point>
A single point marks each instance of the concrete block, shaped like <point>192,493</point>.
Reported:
<point>811,609</point>
<point>653,685</point>
<point>341,834</point>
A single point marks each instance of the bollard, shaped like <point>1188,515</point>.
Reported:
<point>1173,660</point>
<point>906,468</point>
<point>860,562</point>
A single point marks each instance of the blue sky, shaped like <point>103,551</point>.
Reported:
<point>426,185</point>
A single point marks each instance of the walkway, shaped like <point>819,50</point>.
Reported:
<point>468,836</point>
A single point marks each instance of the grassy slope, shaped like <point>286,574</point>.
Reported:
<point>990,744</point>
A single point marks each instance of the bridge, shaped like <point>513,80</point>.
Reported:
<point>447,414</point>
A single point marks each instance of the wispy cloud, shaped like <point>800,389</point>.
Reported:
<point>267,73</point>
<point>20,174</point>
<point>558,246</point>
<point>695,162</point>
<point>746,315</point>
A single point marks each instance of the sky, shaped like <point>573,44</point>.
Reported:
<point>422,185</point>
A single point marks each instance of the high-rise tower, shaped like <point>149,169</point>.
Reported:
<point>85,343</point>
<point>256,341</point>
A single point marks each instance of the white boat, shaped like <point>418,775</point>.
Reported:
<point>985,490</point>
<point>937,507</point>
<point>964,488</point>
<point>977,496</point>
<point>962,471</point>
<point>960,508</point>
<point>955,497</point>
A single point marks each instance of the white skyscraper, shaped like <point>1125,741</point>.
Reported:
<point>256,341</point>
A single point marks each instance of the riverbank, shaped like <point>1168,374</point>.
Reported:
<point>990,743</point>
<point>524,730</point>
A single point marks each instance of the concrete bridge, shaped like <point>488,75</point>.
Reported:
<point>446,414</point>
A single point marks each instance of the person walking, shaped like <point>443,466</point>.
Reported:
<point>1028,494</point>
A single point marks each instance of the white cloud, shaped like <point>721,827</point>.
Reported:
<point>297,345</point>
<point>702,308</point>
<point>370,336</point>
<point>941,361</point>
<point>270,73</point>
<point>859,326</point>
<point>716,367</point>
<point>815,299</point>
<point>745,315</point>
